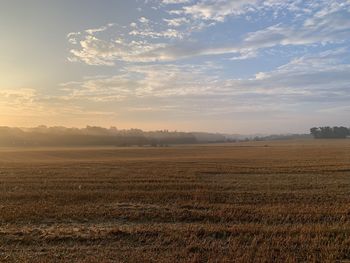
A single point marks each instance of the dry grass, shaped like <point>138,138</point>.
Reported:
<point>249,202</point>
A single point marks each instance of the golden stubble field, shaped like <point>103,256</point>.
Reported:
<point>244,202</point>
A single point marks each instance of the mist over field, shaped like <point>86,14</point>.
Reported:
<point>98,136</point>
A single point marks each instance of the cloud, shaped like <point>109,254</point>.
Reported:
<point>134,43</point>
<point>142,81</point>
<point>114,88</point>
<point>177,22</point>
<point>313,78</point>
<point>218,10</point>
<point>318,79</point>
<point>171,2</point>
<point>245,54</point>
<point>326,26</point>
<point>19,97</point>
<point>95,30</point>
<point>161,71</point>
<point>143,20</point>
<point>173,38</point>
<point>94,51</point>
<point>21,102</point>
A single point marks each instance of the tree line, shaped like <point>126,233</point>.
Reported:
<point>99,136</point>
<point>330,132</point>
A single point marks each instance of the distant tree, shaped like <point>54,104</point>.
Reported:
<point>315,132</point>
<point>341,132</point>
<point>153,142</point>
<point>328,132</point>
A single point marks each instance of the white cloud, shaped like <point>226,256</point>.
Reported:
<point>326,26</point>
<point>143,81</point>
<point>172,38</point>
<point>159,69</point>
<point>245,54</point>
<point>321,81</point>
<point>169,33</point>
<point>218,10</point>
<point>94,51</point>
<point>144,20</point>
<point>176,22</point>
<point>170,2</point>
<point>313,80</point>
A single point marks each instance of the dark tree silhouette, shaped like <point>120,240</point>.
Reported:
<point>329,132</point>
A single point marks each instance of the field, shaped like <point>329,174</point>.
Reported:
<point>243,202</point>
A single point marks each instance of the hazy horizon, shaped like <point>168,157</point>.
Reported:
<point>238,67</point>
<point>147,130</point>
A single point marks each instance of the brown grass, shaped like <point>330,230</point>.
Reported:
<point>247,202</point>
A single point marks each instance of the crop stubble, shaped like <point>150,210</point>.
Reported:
<point>243,202</point>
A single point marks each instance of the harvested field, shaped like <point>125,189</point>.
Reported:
<point>243,202</point>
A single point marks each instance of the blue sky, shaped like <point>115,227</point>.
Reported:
<point>228,66</point>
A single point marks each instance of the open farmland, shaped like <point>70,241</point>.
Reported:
<point>243,202</point>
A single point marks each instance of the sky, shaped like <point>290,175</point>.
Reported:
<point>239,66</point>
